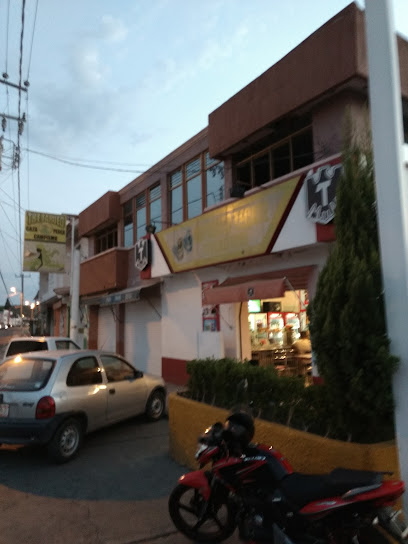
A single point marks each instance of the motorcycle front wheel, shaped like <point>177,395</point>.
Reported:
<point>201,520</point>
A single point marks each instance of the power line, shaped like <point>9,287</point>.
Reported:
<point>92,167</point>
<point>32,41</point>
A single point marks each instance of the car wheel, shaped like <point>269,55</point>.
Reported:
<point>155,406</point>
<point>66,441</point>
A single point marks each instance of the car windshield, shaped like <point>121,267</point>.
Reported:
<point>20,374</point>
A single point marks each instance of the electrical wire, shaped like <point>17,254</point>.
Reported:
<point>32,41</point>
<point>74,163</point>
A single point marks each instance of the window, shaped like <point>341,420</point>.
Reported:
<point>195,186</point>
<point>66,344</point>
<point>155,212</point>
<point>128,224</point>
<point>117,370</point>
<point>23,346</point>
<point>140,215</point>
<point>84,371</point>
<point>214,178</point>
<point>291,153</point>
<point>106,239</point>
<point>27,375</point>
<point>176,197</point>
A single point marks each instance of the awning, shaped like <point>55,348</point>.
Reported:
<point>259,286</point>
<point>232,291</point>
<point>131,294</point>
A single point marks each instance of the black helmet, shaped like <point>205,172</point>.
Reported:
<point>239,428</point>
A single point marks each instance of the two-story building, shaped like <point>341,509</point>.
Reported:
<point>243,211</point>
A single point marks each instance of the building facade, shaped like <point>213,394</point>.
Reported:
<point>243,211</point>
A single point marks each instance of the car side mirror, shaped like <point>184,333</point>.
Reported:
<point>138,374</point>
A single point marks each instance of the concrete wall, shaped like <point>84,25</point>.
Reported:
<point>306,452</point>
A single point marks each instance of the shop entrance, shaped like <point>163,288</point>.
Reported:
<point>279,334</point>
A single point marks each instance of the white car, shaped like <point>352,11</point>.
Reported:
<point>24,344</point>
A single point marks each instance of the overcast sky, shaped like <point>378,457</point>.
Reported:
<point>121,84</point>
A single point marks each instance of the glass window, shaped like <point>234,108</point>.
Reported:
<point>192,187</point>
<point>176,179</point>
<point>25,375</point>
<point>141,223</point>
<point>294,151</point>
<point>194,197</point>
<point>107,239</point>
<point>128,224</point>
<point>193,168</point>
<point>155,207</point>
<point>244,175</point>
<point>281,163</point>
<point>23,346</point>
<point>302,149</point>
<point>176,205</point>
<point>66,344</point>
<point>84,371</point>
<point>209,161</point>
<point>261,170</point>
<point>116,369</point>
<point>215,184</point>
<point>140,215</point>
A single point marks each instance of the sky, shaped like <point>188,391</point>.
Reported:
<point>116,86</point>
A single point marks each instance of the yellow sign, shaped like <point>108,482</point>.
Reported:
<point>244,228</point>
<point>45,227</point>
<point>44,242</point>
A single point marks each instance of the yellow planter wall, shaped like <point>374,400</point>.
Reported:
<point>306,452</point>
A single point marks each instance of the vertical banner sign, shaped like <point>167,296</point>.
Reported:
<point>321,184</point>
<point>44,242</point>
<point>211,313</point>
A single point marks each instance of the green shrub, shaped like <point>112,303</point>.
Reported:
<point>228,383</point>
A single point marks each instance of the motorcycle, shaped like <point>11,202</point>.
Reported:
<point>253,487</point>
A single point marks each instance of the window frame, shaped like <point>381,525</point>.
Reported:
<point>104,236</point>
<point>206,164</point>
<point>288,140</point>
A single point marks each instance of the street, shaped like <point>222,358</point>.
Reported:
<point>114,492</point>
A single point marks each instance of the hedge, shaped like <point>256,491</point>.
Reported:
<point>229,383</point>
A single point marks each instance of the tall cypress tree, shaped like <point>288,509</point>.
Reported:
<point>347,318</point>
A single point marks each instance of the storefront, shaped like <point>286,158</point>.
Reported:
<point>237,279</point>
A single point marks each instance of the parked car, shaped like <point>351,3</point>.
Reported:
<point>23,344</point>
<point>54,398</point>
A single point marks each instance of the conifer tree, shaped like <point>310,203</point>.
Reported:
<point>347,317</point>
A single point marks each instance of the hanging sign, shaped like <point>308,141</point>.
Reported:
<point>142,253</point>
<point>44,242</point>
<point>321,183</point>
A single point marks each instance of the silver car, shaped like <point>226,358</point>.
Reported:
<point>56,397</point>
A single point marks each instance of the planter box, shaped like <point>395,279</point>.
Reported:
<point>306,452</point>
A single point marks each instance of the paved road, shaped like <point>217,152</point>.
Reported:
<point>114,492</point>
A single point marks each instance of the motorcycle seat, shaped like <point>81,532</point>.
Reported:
<point>301,489</point>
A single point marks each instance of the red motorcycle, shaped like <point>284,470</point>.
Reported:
<point>253,487</point>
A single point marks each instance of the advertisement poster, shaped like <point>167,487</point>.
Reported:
<point>44,242</point>
<point>211,313</point>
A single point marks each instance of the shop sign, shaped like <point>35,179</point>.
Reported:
<point>44,242</point>
<point>321,186</point>
<point>211,313</point>
<point>245,228</point>
<point>142,253</point>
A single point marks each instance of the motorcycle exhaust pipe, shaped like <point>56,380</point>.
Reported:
<point>391,521</point>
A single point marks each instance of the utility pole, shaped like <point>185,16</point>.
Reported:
<point>392,199</point>
<point>21,296</point>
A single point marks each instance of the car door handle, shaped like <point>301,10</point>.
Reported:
<point>112,391</point>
